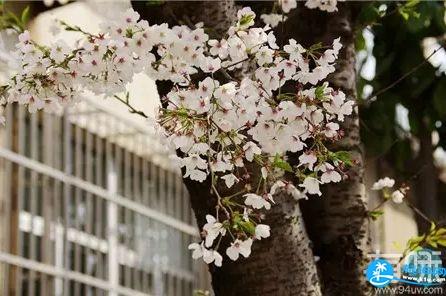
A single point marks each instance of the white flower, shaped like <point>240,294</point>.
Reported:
<point>262,231</point>
<point>311,186</point>
<point>329,174</point>
<point>324,5</point>
<point>251,149</point>
<point>273,19</point>
<point>264,56</point>
<point>256,201</point>
<point>277,185</point>
<point>383,183</point>
<point>212,229</point>
<point>289,189</point>
<point>230,179</point>
<point>331,129</point>
<point>264,172</point>
<point>308,158</point>
<point>210,65</point>
<point>397,196</point>
<point>192,163</point>
<point>245,18</point>
<point>239,247</point>
<point>338,105</point>
<point>295,50</point>
<point>219,47</point>
<point>197,250</point>
<point>196,175</point>
<point>58,51</point>
<point>210,256</point>
<point>215,127</point>
<point>287,5</point>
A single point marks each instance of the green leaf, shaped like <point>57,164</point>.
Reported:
<point>412,3</point>
<point>440,232</point>
<point>360,42</point>
<point>414,242</point>
<point>154,2</point>
<point>201,293</point>
<point>343,156</point>
<point>432,244</point>
<point>248,227</point>
<point>409,10</point>
<point>404,13</point>
<point>282,164</point>
<point>25,16</point>
<point>246,19</point>
<point>433,226</point>
<point>375,214</point>
<point>442,242</point>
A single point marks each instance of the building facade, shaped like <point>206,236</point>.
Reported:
<point>89,206</point>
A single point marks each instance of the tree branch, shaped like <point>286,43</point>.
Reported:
<point>131,108</point>
<point>373,96</point>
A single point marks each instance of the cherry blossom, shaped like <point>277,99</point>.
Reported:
<point>383,183</point>
<point>262,231</point>
<point>397,196</point>
<point>235,133</point>
<point>311,186</point>
<point>239,247</point>
<point>325,5</point>
<point>287,5</point>
<point>273,19</point>
<point>256,201</point>
<point>213,229</point>
<point>329,174</point>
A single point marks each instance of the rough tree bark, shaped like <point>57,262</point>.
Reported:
<point>337,222</point>
<point>283,264</point>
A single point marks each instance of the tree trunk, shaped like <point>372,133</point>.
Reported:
<point>283,264</point>
<point>337,222</point>
<point>426,177</point>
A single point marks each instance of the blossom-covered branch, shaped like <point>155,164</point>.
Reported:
<point>234,133</point>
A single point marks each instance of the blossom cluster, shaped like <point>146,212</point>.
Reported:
<point>385,185</point>
<point>273,19</point>
<point>324,5</point>
<point>51,77</point>
<point>237,132</point>
<point>234,132</point>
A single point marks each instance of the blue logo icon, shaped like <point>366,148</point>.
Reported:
<point>422,267</point>
<point>379,273</point>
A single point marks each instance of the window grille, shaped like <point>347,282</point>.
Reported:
<point>89,206</point>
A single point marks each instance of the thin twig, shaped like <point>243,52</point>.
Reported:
<point>236,63</point>
<point>414,69</point>
<point>132,109</point>
<point>417,211</point>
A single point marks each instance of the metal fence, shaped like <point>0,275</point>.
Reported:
<point>86,210</point>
